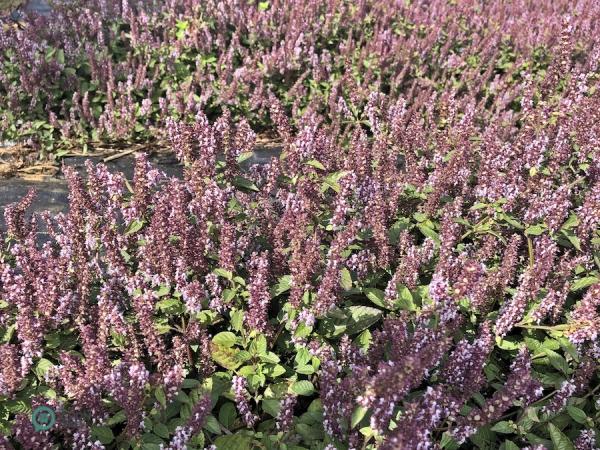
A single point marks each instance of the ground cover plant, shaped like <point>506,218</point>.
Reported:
<point>419,268</point>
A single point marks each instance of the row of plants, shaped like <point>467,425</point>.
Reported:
<point>117,71</point>
<point>334,298</point>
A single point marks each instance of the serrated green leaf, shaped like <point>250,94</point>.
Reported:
<point>377,296</point>
<point>227,357</point>
<point>429,232</point>
<point>170,305</point>
<point>227,414</point>
<point>362,317</point>
<point>103,434</point>
<point>135,226</point>
<point>271,406</point>
<point>559,439</point>
<point>557,361</point>
<point>577,414</point>
<point>509,445</point>
<point>42,367</point>
<point>505,344</point>
<point>243,183</point>
<point>357,415</point>
<point>159,393</point>
<point>223,273</point>
<point>225,339</point>
<point>212,425</point>
<point>161,430</point>
<point>504,427</point>
<point>582,283</point>
<point>119,417</point>
<point>234,442</point>
<point>151,438</point>
<point>303,387</point>
<point>305,369</point>
<point>244,156</point>
<point>283,285</point>
<point>346,279</point>
<point>535,230</point>
<point>316,164</point>
<point>447,442</point>
<point>274,371</point>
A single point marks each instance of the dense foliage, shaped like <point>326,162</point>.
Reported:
<point>419,268</point>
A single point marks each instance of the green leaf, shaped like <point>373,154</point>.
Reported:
<point>535,230</point>
<point>243,183</point>
<point>568,347</point>
<point>16,406</point>
<point>274,371</point>
<point>234,442</point>
<point>571,222</point>
<point>305,369</point>
<point>163,290</point>
<point>405,300</point>
<point>269,357</point>
<point>263,6</point>
<point>357,415</point>
<point>227,414</point>
<point>559,439</point>
<point>151,438</point>
<point>309,432</point>
<point>448,442</point>
<point>226,357</point>
<point>10,331</point>
<point>573,239</point>
<point>346,279</point>
<point>161,430</point>
<point>511,221</point>
<point>362,317</point>
<point>103,434</point>
<point>583,283</point>
<point>244,156</point>
<point>557,361</point>
<point>284,284</point>
<point>509,445</point>
<point>505,344</point>
<point>237,319</point>
<point>119,417</point>
<point>42,368</point>
<point>170,305</point>
<point>135,226</point>
<point>504,427</point>
<point>271,406</point>
<point>60,56</point>
<point>377,296</point>
<point>313,162</point>
<point>484,438</point>
<point>577,414</point>
<point>159,393</point>
<point>303,387</point>
<point>429,232</point>
<point>302,357</point>
<point>212,425</point>
<point>225,339</point>
<point>223,273</point>
<point>363,340</point>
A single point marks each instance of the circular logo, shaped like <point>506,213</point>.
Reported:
<point>43,418</point>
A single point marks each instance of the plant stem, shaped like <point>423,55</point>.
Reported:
<point>543,327</point>
<point>530,249</point>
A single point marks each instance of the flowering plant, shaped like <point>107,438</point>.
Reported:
<point>418,268</point>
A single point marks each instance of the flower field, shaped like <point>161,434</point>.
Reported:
<point>418,268</point>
